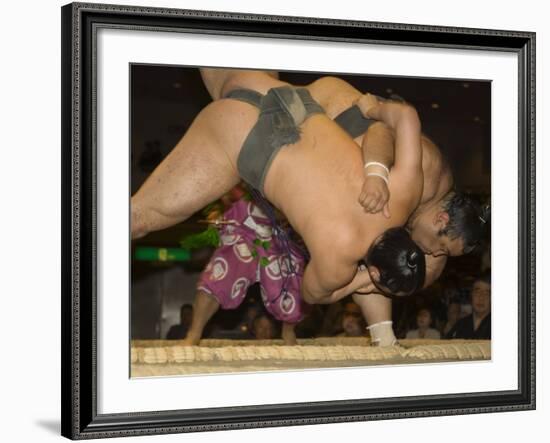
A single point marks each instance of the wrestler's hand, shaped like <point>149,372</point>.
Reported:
<point>366,103</point>
<point>375,196</point>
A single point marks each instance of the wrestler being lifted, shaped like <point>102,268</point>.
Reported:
<point>445,223</point>
<point>279,140</point>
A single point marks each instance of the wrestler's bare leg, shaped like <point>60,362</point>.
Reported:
<point>204,307</point>
<point>377,310</point>
<point>288,334</point>
<point>375,307</point>
<point>200,169</point>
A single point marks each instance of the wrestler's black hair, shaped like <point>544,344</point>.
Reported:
<point>468,219</point>
<point>400,262</point>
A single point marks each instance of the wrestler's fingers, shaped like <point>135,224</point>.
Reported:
<point>362,198</point>
<point>373,209</point>
<point>379,206</point>
<point>386,211</point>
<point>373,204</point>
<point>366,205</point>
<point>367,202</point>
<point>367,198</point>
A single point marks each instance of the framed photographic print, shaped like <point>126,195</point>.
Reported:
<point>273,221</point>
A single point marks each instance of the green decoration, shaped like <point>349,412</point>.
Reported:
<point>161,254</point>
<point>209,237</point>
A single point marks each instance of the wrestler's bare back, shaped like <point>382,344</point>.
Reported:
<point>316,181</point>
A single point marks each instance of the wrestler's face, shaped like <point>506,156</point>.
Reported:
<point>427,230</point>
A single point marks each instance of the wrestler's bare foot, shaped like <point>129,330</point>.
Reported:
<point>204,308</point>
<point>290,341</point>
<point>190,340</point>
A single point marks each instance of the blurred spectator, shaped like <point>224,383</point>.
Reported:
<point>454,311</point>
<point>423,323</point>
<point>263,328</point>
<point>179,331</point>
<point>478,324</point>
<point>353,323</point>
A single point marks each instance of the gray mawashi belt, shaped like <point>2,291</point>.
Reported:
<point>282,111</point>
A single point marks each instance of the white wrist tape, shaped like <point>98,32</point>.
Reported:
<point>377,174</point>
<point>382,333</point>
<point>382,165</point>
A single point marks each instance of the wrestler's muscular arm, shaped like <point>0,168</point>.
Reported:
<point>362,285</point>
<point>327,272</point>
<point>319,286</point>
<point>377,147</point>
<point>397,125</point>
<point>376,308</point>
<point>407,175</point>
<point>361,282</point>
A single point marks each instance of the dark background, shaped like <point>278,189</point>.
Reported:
<point>455,114</point>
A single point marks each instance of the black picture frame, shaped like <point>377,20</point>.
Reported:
<point>79,173</point>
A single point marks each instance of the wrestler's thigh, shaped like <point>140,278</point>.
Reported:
<point>201,167</point>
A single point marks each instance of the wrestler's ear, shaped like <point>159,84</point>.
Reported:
<point>441,220</point>
<point>374,273</point>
